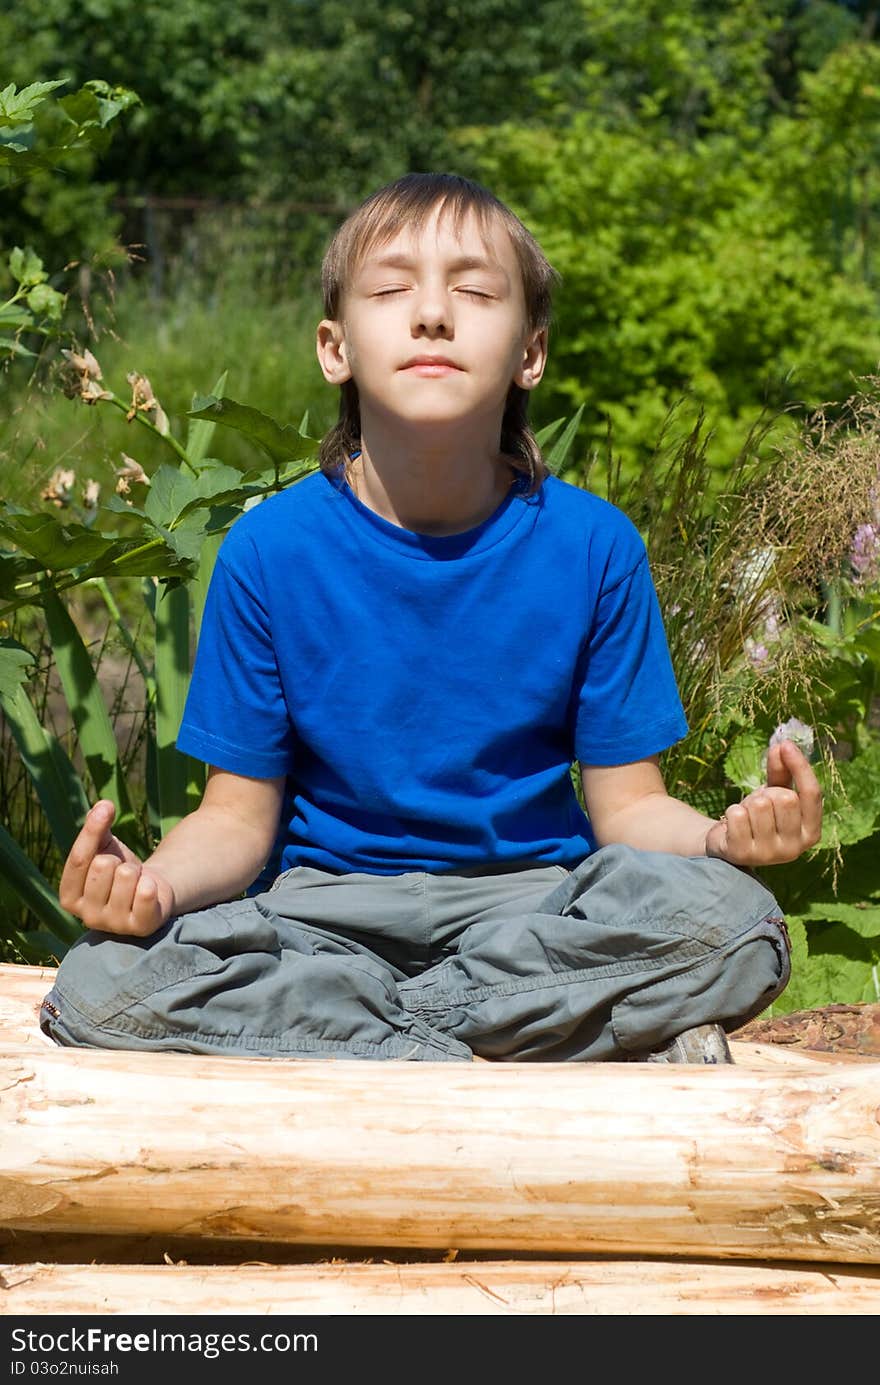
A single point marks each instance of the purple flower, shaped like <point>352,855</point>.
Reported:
<point>757,654</point>
<point>865,552</point>
<point>797,731</point>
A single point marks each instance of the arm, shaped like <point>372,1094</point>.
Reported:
<point>776,823</point>
<point>212,855</point>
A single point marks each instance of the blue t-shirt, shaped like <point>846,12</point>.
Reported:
<point>425,696</point>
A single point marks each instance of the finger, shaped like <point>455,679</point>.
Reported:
<point>94,836</point>
<point>788,814</point>
<point>740,843</point>
<point>780,758</point>
<point>146,909</point>
<point>802,777</point>
<point>121,898</point>
<point>762,818</point>
<point>96,891</point>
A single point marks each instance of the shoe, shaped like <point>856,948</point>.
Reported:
<point>705,1043</point>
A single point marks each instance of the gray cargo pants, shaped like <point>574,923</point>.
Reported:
<point>526,963</point>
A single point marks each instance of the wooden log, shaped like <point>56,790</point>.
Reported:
<point>564,1158</point>
<point>21,993</point>
<point>482,1288</point>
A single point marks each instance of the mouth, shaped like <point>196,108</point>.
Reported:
<point>431,365</point>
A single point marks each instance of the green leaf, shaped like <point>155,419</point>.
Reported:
<point>13,315</point>
<point>201,431</point>
<point>840,967</point>
<point>151,555</point>
<point>282,444</point>
<point>81,108</point>
<point>219,485</point>
<point>45,301</point>
<point>14,348</point>
<point>16,666</point>
<point>18,108</point>
<point>862,919</point>
<point>57,785</point>
<point>58,547</point>
<point>26,267</point>
<point>34,890</point>
<point>852,809</point>
<point>112,100</point>
<point>85,700</point>
<point>171,489</point>
<point>176,774</point>
<point>14,569</point>
<point>202,580</point>
<point>38,946</point>
<point>558,453</point>
<point>544,436</point>
<point>744,764</point>
<point>185,540</point>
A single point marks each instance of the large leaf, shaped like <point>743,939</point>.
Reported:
<point>283,444</point>
<point>18,108</point>
<point>85,700</point>
<point>852,809</point>
<point>202,580</point>
<point>170,490</point>
<point>201,430</point>
<point>58,547</point>
<point>55,780</point>
<point>840,967</point>
<point>16,666</point>
<point>862,919</point>
<point>34,890</point>
<point>178,777</point>
<point>38,946</point>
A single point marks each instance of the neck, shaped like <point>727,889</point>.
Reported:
<point>443,485</point>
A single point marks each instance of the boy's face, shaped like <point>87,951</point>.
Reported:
<point>433,327</point>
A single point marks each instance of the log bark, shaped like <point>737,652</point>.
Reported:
<point>633,1159</point>
<point>835,1029</point>
<point>482,1288</point>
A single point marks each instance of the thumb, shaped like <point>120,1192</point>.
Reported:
<point>100,819</point>
<point>779,764</point>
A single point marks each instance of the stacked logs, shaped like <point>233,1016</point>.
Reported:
<point>209,1185</point>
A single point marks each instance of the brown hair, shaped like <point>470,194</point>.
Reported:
<point>408,203</point>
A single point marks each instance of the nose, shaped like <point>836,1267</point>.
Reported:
<point>431,311</point>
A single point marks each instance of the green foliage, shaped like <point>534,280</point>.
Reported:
<point>239,97</point>
<point>169,538</point>
<point>743,579</point>
<point>684,273</point>
<point>705,177</point>
<point>80,128</point>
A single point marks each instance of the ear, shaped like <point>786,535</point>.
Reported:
<point>332,357</point>
<point>534,358</point>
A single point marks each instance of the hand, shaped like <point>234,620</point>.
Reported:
<point>776,823</point>
<point>104,884</point>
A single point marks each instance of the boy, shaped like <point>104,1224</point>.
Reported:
<point>404,652</point>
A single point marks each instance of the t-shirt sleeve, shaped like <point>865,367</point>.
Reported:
<point>627,702</point>
<point>236,714</point>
